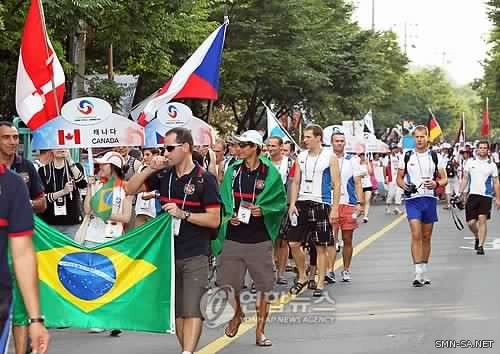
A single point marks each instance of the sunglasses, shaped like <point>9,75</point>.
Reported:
<point>245,144</point>
<point>171,147</point>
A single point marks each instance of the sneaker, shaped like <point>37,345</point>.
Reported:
<point>387,210</point>
<point>96,330</point>
<point>115,333</point>
<point>365,219</point>
<point>427,281</point>
<point>397,211</point>
<point>480,250</point>
<point>476,244</point>
<point>330,278</point>
<point>337,247</point>
<point>419,280</point>
<point>346,276</point>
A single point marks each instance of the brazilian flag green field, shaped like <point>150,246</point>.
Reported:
<point>127,283</point>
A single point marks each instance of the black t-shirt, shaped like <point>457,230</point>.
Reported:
<point>200,190</point>
<point>53,180</point>
<point>252,184</point>
<point>28,172</point>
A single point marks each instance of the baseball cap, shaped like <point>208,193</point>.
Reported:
<point>251,136</point>
<point>112,158</point>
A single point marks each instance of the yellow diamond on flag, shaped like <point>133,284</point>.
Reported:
<point>90,279</point>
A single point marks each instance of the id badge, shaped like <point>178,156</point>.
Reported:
<point>244,212</point>
<point>308,186</point>
<point>60,207</point>
<point>176,224</point>
<point>113,229</point>
<point>144,204</point>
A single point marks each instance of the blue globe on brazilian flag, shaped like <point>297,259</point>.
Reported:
<point>126,283</point>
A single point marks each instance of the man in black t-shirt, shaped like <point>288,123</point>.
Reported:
<point>189,194</point>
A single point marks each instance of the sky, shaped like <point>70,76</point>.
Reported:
<point>447,33</point>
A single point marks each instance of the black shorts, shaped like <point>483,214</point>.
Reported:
<point>367,189</point>
<point>313,224</point>
<point>5,308</point>
<point>477,205</point>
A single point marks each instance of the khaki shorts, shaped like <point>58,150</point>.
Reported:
<point>191,281</point>
<point>236,258</point>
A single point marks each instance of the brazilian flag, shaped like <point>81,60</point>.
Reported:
<point>272,201</point>
<point>127,283</point>
<point>102,201</point>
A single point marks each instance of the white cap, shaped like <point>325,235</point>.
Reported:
<point>445,146</point>
<point>251,136</point>
<point>112,158</point>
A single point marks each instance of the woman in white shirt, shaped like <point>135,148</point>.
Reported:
<point>111,167</point>
<point>366,169</point>
<point>114,203</point>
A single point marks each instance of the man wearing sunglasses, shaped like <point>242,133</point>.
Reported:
<point>190,195</point>
<point>254,200</point>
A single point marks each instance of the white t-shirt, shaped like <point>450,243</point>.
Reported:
<point>283,168</point>
<point>481,174</point>
<point>366,181</point>
<point>421,167</point>
<point>315,178</point>
<point>393,161</point>
<point>349,168</point>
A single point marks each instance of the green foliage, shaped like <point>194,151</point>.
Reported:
<point>106,89</point>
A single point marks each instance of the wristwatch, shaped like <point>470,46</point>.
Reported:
<point>187,214</point>
<point>36,320</point>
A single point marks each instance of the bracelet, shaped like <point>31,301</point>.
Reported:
<point>36,320</point>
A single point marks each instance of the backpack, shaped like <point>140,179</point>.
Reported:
<point>434,157</point>
<point>450,169</point>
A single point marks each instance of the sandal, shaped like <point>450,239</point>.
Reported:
<point>297,288</point>
<point>263,342</point>
<point>318,292</point>
<point>235,330</point>
<point>311,284</point>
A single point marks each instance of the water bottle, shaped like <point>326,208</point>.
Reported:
<point>294,221</point>
<point>354,216</point>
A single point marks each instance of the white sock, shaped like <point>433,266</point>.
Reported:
<point>418,268</point>
<point>187,353</point>
<point>424,267</point>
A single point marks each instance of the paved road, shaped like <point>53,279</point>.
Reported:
<point>379,312</point>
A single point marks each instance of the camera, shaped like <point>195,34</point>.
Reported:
<point>412,189</point>
<point>457,202</point>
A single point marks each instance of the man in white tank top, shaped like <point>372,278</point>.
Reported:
<point>311,208</point>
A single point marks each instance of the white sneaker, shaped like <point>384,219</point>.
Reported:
<point>419,280</point>
<point>387,210</point>
<point>96,330</point>
<point>397,211</point>
<point>346,276</point>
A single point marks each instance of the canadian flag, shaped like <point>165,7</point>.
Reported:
<point>66,137</point>
<point>40,76</point>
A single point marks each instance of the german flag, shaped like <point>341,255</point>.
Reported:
<point>434,128</point>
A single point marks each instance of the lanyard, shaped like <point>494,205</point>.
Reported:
<point>239,184</point>
<point>314,167</point>
<point>169,188</point>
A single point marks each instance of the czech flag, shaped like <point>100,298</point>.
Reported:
<point>197,78</point>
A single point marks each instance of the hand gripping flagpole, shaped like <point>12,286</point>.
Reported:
<point>283,129</point>
<point>49,61</point>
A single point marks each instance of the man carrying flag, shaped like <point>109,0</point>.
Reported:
<point>254,199</point>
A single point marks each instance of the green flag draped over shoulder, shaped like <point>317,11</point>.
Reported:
<point>126,283</point>
<point>272,201</point>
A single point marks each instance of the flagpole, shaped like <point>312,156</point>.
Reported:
<point>52,79</point>
<point>463,127</point>
<point>488,114</point>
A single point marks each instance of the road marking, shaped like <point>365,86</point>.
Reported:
<point>222,342</point>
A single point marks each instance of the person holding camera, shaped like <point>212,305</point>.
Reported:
<point>420,173</point>
<point>481,175</point>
